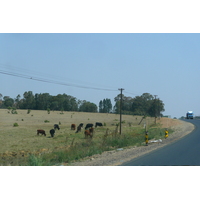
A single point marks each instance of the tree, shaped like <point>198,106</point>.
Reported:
<point>101,106</point>
<point>17,101</point>
<point>42,101</point>
<point>29,100</point>
<point>87,106</point>
<point>142,104</point>
<point>1,102</point>
<point>105,106</point>
<point>156,108</point>
<point>117,103</point>
<point>126,104</point>
<point>8,102</point>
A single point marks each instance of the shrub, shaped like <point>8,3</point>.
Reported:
<point>35,160</point>
<point>15,124</point>
<point>14,111</point>
<point>46,121</point>
<point>28,111</point>
<point>48,110</point>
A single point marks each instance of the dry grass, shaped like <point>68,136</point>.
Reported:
<point>22,140</point>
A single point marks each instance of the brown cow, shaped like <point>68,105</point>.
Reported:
<point>89,132</point>
<point>40,131</point>
<point>73,127</point>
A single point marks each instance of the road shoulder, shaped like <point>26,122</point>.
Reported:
<point>117,157</point>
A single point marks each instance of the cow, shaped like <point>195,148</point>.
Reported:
<point>88,126</point>
<point>73,126</point>
<point>52,132</point>
<point>40,131</point>
<point>79,127</point>
<point>98,124</point>
<point>89,132</point>
<point>56,126</point>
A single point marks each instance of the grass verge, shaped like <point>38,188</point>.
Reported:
<point>87,148</point>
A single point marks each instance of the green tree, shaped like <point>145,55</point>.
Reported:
<point>17,101</point>
<point>105,106</point>
<point>87,106</point>
<point>142,104</point>
<point>1,102</point>
<point>28,100</point>
<point>70,103</point>
<point>42,101</point>
<point>156,108</point>
<point>8,102</point>
<point>101,106</point>
<point>126,104</point>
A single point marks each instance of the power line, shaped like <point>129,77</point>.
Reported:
<point>48,80</point>
<point>49,76</point>
<point>130,93</point>
<point>51,81</point>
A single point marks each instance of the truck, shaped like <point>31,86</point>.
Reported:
<point>189,115</point>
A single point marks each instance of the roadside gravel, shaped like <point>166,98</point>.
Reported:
<point>117,157</point>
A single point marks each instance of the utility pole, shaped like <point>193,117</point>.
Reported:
<point>155,107</point>
<point>120,124</point>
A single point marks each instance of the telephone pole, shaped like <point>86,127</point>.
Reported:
<point>120,124</point>
<point>155,107</point>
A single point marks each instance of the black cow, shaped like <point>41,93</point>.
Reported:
<point>89,126</point>
<point>81,124</point>
<point>98,124</point>
<point>56,127</point>
<point>40,131</point>
<point>79,127</point>
<point>52,132</point>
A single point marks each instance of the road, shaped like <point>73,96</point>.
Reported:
<point>184,152</point>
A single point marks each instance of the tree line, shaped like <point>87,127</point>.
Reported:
<point>145,104</point>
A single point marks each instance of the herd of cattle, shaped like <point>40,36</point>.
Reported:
<point>89,130</point>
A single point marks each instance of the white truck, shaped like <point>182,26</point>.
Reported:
<point>189,115</point>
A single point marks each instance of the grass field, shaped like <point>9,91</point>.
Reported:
<point>20,145</point>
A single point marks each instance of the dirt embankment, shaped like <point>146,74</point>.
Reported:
<point>119,156</point>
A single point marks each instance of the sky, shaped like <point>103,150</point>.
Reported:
<point>162,64</point>
<point>92,50</point>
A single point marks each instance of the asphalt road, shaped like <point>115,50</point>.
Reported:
<point>184,152</point>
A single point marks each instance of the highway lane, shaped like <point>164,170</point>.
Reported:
<point>184,152</point>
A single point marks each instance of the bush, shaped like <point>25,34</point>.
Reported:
<point>35,161</point>
<point>15,124</point>
<point>13,110</point>
<point>46,121</point>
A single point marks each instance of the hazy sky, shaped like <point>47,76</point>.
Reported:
<point>160,61</point>
<point>161,64</point>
